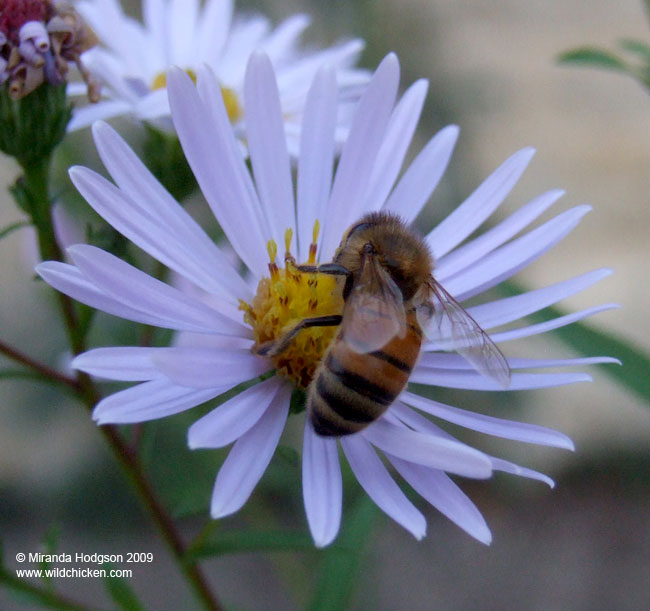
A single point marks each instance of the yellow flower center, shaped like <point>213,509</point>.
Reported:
<point>230,100</point>
<point>283,300</point>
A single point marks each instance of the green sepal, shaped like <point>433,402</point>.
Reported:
<point>33,126</point>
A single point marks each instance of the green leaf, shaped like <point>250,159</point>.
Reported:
<point>7,374</point>
<point>591,56</point>
<point>586,340</point>
<point>51,539</point>
<point>185,491</point>
<point>35,596</point>
<point>248,541</point>
<point>121,592</point>
<point>5,231</point>
<point>638,47</point>
<point>298,401</point>
<point>341,563</point>
<point>25,374</point>
<point>50,544</point>
<point>289,455</point>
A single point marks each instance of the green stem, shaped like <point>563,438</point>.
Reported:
<point>34,185</point>
<point>163,520</point>
<point>44,370</point>
<point>33,190</point>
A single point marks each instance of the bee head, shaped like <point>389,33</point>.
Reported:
<point>397,248</point>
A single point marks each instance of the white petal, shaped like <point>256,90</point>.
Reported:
<point>509,259</point>
<point>72,89</point>
<point>230,420</point>
<point>111,71</point>
<point>465,255</point>
<point>210,368</point>
<point>404,415</point>
<point>140,291</point>
<point>380,486</point>
<point>209,88</point>
<point>316,156</point>
<point>127,364</point>
<point>153,220</point>
<point>182,30</point>
<point>503,311</point>
<point>439,490</point>
<point>69,280</point>
<point>267,146</point>
<point>67,229</point>
<point>498,427</point>
<point>550,325</point>
<point>213,27</point>
<point>321,486</point>
<point>208,142</point>
<point>294,77</point>
<point>428,450</point>
<point>359,154</point>
<point>397,139</point>
<point>118,31</point>
<point>148,401</point>
<point>155,21</point>
<point>509,467</point>
<point>444,360</point>
<point>280,44</point>
<point>479,205</point>
<point>471,380</point>
<point>249,457</point>
<point>423,175</point>
<point>102,110</point>
<point>153,105</point>
<point>245,36</point>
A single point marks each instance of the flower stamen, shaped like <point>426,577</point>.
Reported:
<point>230,100</point>
<point>283,300</point>
<point>314,241</point>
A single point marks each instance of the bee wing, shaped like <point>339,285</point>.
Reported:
<point>374,311</point>
<point>441,317</point>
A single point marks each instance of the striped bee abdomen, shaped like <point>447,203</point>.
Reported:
<point>351,390</point>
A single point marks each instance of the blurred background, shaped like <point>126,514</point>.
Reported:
<point>584,545</point>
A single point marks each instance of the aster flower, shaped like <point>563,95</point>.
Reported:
<point>135,58</point>
<point>37,40</point>
<point>216,355</point>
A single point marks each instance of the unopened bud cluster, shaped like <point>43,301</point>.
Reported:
<point>38,39</point>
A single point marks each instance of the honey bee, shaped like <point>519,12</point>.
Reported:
<point>391,299</point>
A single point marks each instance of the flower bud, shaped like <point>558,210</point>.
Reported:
<point>38,38</point>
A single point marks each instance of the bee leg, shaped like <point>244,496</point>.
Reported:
<point>333,269</point>
<point>273,347</point>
